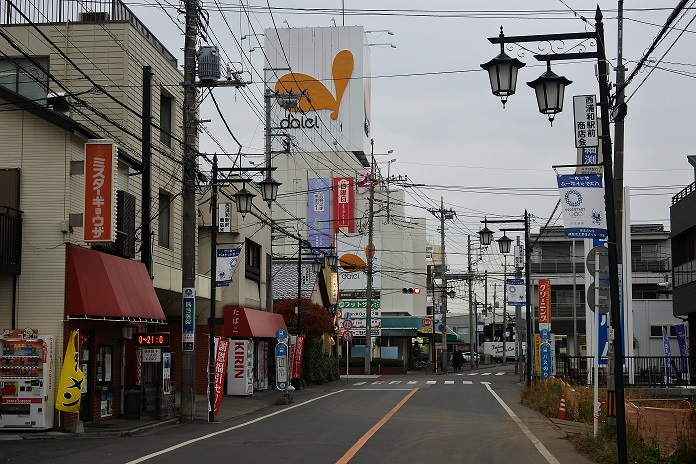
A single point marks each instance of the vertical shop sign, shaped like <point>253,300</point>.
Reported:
<point>188,326</point>
<point>100,192</point>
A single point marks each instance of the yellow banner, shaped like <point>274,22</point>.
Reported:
<point>71,379</point>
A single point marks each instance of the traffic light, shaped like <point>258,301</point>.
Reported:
<point>410,290</point>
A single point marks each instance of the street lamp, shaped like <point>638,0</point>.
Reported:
<point>549,89</point>
<point>504,243</point>
<point>615,396</point>
<point>502,71</point>
<point>243,199</point>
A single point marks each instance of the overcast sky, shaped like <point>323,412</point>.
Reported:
<point>432,104</point>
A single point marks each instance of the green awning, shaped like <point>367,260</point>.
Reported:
<point>399,333</point>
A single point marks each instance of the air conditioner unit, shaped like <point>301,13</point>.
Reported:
<point>94,16</point>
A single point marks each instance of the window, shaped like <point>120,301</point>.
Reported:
<point>164,215</point>
<point>252,260</point>
<point>21,75</point>
<point>166,119</point>
<point>656,331</point>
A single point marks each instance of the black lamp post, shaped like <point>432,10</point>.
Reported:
<point>504,243</point>
<point>615,397</point>
<point>243,198</point>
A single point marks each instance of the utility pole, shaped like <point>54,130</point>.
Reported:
<point>370,259</point>
<point>188,247</point>
<point>146,250</point>
<point>443,357</point>
<point>505,336</point>
<point>472,361</point>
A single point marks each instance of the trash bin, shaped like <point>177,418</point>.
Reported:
<point>131,408</point>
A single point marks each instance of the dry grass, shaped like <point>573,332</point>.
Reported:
<point>545,398</point>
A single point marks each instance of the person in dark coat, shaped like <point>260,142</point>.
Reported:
<point>457,360</point>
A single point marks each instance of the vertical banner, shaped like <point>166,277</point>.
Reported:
<point>668,356</point>
<point>319,213</point>
<point>71,379</point>
<point>344,205</point>
<point>222,349</point>
<point>545,360</point>
<point>225,265</point>
<point>582,198</point>
<point>517,292</point>
<point>296,349</point>
<point>100,191</point>
<point>683,352</point>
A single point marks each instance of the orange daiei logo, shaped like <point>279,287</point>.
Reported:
<point>316,95</point>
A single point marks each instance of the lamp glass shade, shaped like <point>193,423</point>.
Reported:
<point>244,199</point>
<point>269,189</point>
<point>486,236</point>
<point>549,89</point>
<point>504,244</point>
<point>316,266</point>
<point>502,72</point>
<point>332,260</point>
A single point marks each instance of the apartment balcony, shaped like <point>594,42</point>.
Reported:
<point>11,242</point>
<point>94,11</point>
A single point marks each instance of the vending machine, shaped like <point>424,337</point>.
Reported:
<point>240,368</point>
<point>26,380</point>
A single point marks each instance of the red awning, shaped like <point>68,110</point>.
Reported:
<point>102,286</point>
<point>251,323</point>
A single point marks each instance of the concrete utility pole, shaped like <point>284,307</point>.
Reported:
<point>370,258</point>
<point>188,246</point>
<point>443,357</point>
<point>472,361</point>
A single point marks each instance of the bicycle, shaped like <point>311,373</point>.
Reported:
<point>423,364</point>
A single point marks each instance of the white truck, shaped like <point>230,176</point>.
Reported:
<point>495,350</point>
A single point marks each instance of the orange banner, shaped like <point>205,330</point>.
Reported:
<point>100,195</point>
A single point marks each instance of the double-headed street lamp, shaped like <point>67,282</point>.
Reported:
<point>243,198</point>
<point>549,90</point>
<point>504,244</point>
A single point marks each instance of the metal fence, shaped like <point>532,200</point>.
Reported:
<point>639,371</point>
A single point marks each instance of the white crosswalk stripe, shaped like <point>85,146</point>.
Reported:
<point>467,382</point>
<point>378,382</point>
<point>395,382</point>
<point>449,382</point>
<point>486,373</point>
<point>500,373</point>
<point>359,383</point>
<point>431,382</point>
<point>412,382</point>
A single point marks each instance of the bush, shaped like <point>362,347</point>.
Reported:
<point>331,368</point>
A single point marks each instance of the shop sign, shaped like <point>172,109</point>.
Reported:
<point>151,355</point>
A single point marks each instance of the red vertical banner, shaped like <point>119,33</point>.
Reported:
<point>544,301</point>
<point>222,349</point>
<point>344,204</point>
<point>100,192</point>
<point>296,349</point>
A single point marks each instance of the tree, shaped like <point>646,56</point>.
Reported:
<point>315,318</point>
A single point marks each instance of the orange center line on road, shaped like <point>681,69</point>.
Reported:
<point>361,442</point>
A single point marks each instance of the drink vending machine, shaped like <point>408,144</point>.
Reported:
<point>240,368</point>
<point>26,380</point>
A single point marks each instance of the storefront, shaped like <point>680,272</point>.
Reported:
<point>253,333</point>
<point>108,299</point>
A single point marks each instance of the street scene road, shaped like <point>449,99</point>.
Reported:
<point>468,416</point>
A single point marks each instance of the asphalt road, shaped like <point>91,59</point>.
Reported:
<point>459,417</point>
